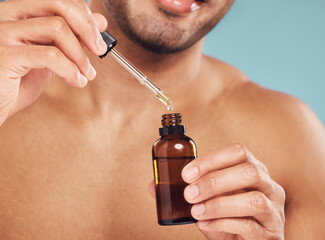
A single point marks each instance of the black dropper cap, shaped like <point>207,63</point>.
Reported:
<point>110,42</point>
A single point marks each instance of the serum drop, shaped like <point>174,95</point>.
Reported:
<point>170,154</point>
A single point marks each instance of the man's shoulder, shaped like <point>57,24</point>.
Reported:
<point>277,127</point>
<point>263,103</point>
<point>269,111</point>
<point>248,99</point>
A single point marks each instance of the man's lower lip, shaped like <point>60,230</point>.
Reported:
<point>180,6</point>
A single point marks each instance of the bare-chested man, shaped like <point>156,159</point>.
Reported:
<point>75,161</point>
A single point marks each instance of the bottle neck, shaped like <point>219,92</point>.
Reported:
<point>171,124</point>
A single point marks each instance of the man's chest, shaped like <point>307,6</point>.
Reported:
<point>89,182</point>
<point>81,186</point>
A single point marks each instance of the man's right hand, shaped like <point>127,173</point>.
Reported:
<point>42,37</point>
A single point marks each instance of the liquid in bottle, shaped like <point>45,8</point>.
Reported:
<point>170,154</point>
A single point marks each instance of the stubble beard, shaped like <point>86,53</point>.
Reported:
<point>157,34</point>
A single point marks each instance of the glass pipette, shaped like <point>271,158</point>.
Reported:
<point>144,80</point>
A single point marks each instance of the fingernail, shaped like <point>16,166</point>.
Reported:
<point>202,224</point>
<point>83,80</point>
<point>101,45</point>
<point>91,72</point>
<point>198,209</point>
<point>191,192</point>
<point>191,173</point>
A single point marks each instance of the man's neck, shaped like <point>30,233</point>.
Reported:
<point>176,74</point>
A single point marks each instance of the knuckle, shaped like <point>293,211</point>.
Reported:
<point>251,171</point>
<point>210,162</point>
<point>276,227</point>
<point>52,52</point>
<point>212,181</point>
<point>241,150</point>
<point>216,204</point>
<point>282,194</point>
<point>258,201</point>
<point>58,23</point>
<point>263,167</point>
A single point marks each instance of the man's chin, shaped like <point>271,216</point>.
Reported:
<point>160,39</point>
<point>158,30</point>
<point>162,49</point>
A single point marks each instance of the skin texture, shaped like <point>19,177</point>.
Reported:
<point>166,32</point>
<point>76,163</point>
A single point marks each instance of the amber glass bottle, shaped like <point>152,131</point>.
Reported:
<point>170,154</point>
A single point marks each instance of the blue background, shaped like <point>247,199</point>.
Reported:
<point>278,44</point>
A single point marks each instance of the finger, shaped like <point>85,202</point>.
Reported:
<point>250,204</point>
<point>223,158</point>
<point>48,30</point>
<point>244,227</point>
<point>151,189</point>
<point>75,12</point>
<point>242,176</point>
<point>24,58</point>
<point>101,21</point>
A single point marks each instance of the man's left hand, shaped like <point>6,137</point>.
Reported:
<point>234,197</point>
